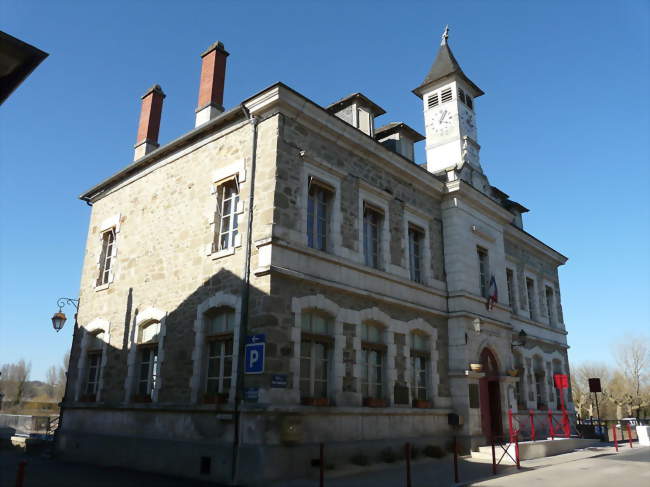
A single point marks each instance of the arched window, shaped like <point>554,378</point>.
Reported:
<point>147,360</point>
<point>420,357</point>
<point>489,361</point>
<point>219,326</point>
<point>315,356</point>
<point>373,364</point>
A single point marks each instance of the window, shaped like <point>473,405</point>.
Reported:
<point>318,215</point>
<point>416,238</point>
<point>461,95</point>
<point>483,270</point>
<point>227,215</point>
<point>373,352</point>
<point>372,220</point>
<point>106,257</point>
<point>510,277</point>
<point>315,348</point>
<point>147,370</point>
<point>94,367</point>
<point>549,304</point>
<point>530,292</point>
<point>469,102</point>
<point>219,353</point>
<point>432,101</point>
<point>419,365</point>
<point>446,95</point>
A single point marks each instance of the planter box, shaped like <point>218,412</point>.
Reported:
<point>315,401</point>
<point>374,402</point>
<point>421,404</point>
<point>88,398</point>
<point>215,398</point>
<point>141,398</point>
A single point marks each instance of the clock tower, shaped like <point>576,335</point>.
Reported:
<point>448,97</point>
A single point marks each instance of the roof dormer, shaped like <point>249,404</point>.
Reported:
<point>358,111</point>
<point>399,137</point>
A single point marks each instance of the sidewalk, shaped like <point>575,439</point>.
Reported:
<point>429,472</point>
<point>45,472</point>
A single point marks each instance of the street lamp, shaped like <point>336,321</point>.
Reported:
<point>58,319</point>
<point>521,341</point>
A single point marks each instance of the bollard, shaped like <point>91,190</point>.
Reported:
<point>551,431</point>
<point>510,425</point>
<point>20,475</point>
<point>455,460</point>
<point>494,458</point>
<point>629,434</point>
<point>322,465</point>
<point>517,450</point>
<point>407,455</point>
<point>532,425</point>
<point>614,434</point>
<point>565,424</point>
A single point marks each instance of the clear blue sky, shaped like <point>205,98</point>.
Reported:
<point>563,125</point>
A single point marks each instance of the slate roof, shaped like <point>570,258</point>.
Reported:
<point>445,64</point>
<point>393,127</point>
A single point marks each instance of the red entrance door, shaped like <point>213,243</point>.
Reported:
<point>490,396</point>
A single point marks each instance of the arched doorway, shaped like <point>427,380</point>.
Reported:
<point>490,395</point>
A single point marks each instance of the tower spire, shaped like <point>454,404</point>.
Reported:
<point>445,36</point>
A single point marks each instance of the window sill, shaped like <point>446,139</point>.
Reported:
<point>88,398</point>
<point>102,287</point>
<point>224,252</point>
<point>141,398</point>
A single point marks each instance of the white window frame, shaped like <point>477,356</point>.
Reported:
<point>369,376</point>
<point>374,198</point>
<point>145,318</point>
<point>236,172</point>
<point>319,171</point>
<point>327,343</point>
<point>95,327</point>
<point>198,380</point>
<point>411,219</point>
<point>153,369</point>
<point>512,293</point>
<point>231,232</point>
<point>319,205</point>
<point>483,274</point>
<point>92,379</point>
<point>533,308</point>
<point>111,224</point>
<point>221,339</point>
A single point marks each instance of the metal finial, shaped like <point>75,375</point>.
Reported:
<point>445,36</point>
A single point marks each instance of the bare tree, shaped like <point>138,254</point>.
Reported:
<point>633,357</point>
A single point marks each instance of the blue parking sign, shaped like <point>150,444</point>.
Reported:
<point>254,358</point>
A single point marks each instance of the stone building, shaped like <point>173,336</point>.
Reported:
<point>386,293</point>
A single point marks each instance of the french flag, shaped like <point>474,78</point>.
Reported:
<point>493,294</point>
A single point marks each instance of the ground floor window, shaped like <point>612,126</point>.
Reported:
<point>219,366</point>
<point>94,367</point>
<point>419,372</point>
<point>314,362</point>
<point>372,363</point>
<point>147,370</point>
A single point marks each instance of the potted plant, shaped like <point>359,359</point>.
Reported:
<point>476,367</point>
<point>315,401</point>
<point>421,404</point>
<point>513,372</point>
<point>374,402</point>
<point>141,398</point>
<point>220,398</point>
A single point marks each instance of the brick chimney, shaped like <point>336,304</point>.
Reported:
<point>152,102</point>
<point>213,74</point>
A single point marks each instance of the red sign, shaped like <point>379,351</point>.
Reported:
<point>561,381</point>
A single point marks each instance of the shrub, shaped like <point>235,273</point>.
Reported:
<point>434,451</point>
<point>360,459</point>
<point>387,455</point>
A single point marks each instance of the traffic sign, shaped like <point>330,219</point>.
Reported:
<point>260,338</point>
<point>254,358</point>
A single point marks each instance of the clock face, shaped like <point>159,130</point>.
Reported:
<point>441,121</point>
